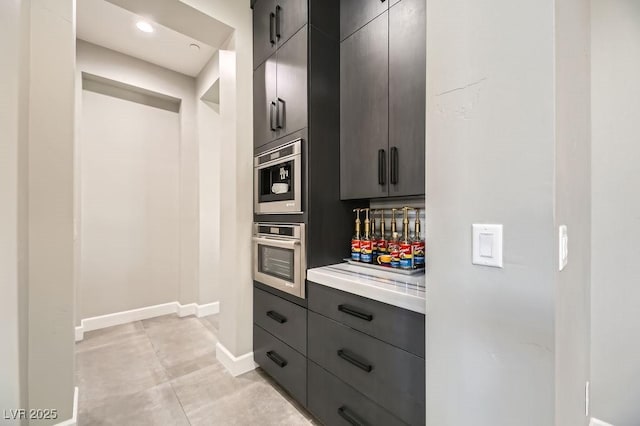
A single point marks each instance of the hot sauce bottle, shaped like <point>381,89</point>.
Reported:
<point>394,243</point>
<point>406,245</point>
<point>366,244</point>
<point>382,244</point>
<point>418,244</point>
<point>355,240</point>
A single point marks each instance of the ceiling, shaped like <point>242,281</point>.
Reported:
<point>106,24</point>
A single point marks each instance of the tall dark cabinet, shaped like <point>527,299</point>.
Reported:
<point>296,84</point>
<point>382,115</point>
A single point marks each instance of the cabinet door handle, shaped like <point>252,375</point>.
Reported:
<point>354,312</point>
<point>272,106</point>
<point>382,167</point>
<point>278,9</point>
<point>394,166</point>
<point>272,22</point>
<point>353,359</point>
<point>350,417</point>
<point>280,114</point>
<point>273,356</point>
<point>277,317</point>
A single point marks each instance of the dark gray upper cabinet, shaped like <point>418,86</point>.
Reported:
<point>264,38</point>
<point>382,99</point>
<point>291,84</point>
<point>354,14</point>
<point>264,102</point>
<point>364,104</point>
<point>275,22</point>
<point>280,92</point>
<point>407,70</point>
<point>290,16</point>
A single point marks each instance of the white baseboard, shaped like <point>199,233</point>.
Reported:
<point>208,309</point>
<point>73,421</point>
<point>596,422</point>
<point>235,365</point>
<point>118,318</point>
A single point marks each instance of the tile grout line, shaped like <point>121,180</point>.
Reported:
<point>169,380</point>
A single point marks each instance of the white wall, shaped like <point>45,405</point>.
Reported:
<point>615,297</point>
<point>115,66</point>
<point>236,170</point>
<point>50,201</point>
<point>130,205</point>
<point>209,159</point>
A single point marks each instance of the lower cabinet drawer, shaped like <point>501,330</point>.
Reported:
<point>391,377</point>
<point>287,366</point>
<point>335,403</point>
<point>285,320</point>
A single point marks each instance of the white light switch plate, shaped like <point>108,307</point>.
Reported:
<point>487,245</point>
<point>563,249</point>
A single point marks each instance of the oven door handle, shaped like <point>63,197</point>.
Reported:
<point>288,244</point>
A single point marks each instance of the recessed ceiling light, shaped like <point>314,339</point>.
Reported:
<point>144,27</point>
<point>194,47</point>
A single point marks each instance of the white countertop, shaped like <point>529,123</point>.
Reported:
<point>404,291</point>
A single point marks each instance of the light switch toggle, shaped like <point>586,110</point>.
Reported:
<point>487,245</point>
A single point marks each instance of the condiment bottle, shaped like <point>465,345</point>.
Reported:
<point>418,244</point>
<point>374,237</point>
<point>383,248</point>
<point>406,245</point>
<point>355,240</point>
<point>366,244</point>
<point>394,243</point>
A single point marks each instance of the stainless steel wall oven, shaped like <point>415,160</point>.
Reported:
<point>279,256</point>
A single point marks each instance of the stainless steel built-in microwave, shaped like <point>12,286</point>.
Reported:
<point>278,180</point>
<point>279,256</point>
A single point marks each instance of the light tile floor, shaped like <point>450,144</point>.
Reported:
<point>164,371</point>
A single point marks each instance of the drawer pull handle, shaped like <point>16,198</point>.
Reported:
<point>273,356</point>
<point>277,317</point>
<point>350,417</point>
<point>353,359</point>
<point>354,312</point>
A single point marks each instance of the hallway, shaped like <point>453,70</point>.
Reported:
<point>163,371</point>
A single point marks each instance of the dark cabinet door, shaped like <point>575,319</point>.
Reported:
<point>291,15</point>
<point>407,71</point>
<point>264,38</point>
<point>264,102</point>
<point>364,109</point>
<point>291,97</point>
<point>356,13</point>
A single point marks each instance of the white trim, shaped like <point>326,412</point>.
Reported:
<point>596,422</point>
<point>118,318</point>
<point>73,421</point>
<point>186,310</point>
<point>235,365</point>
<point>208,309</point>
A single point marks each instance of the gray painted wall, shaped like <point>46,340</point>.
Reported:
<point>572,207</point>
<point>490,159</point>
<point>129,172</point>
<point>508,143</point>
<point>14,68</point>
<point>616,212</point>
<point>50,198</point>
